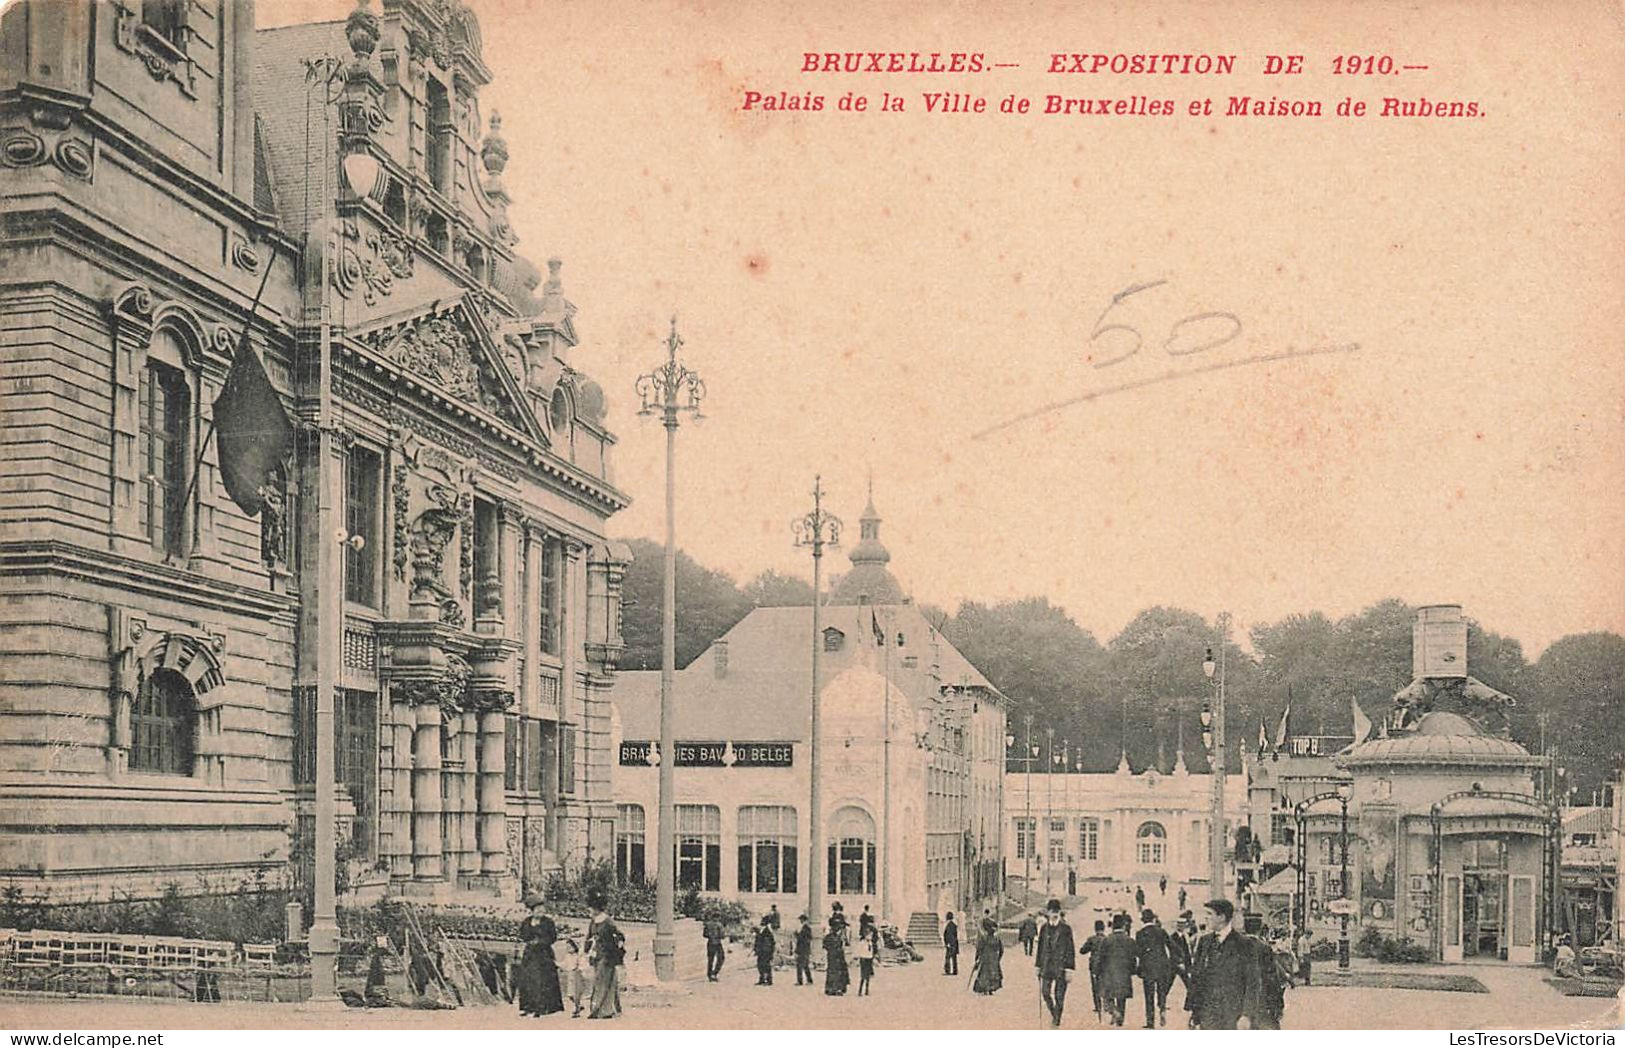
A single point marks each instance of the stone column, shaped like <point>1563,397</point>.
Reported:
<point>426,844</point>
<point>467,823</point>
<point>402,727</point>
<point>531,640</point>
<point>493,797</point>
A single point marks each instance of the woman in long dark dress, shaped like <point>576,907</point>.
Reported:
<point>836,973</point>
<point>989,959</point>
<point>608,953</point>
<point>538,981</point>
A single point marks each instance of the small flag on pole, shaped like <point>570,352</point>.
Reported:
<point>255,433</point>
<point>1263,740</point>
<point>1362,723</point>
<point>1281,732</point>
<point>880,634</point>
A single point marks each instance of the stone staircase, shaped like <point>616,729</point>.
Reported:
<point>923,929</point>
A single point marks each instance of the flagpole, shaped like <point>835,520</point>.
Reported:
<point>203,448</point>
<point>885,783</point>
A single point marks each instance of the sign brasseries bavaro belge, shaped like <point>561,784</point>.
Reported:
<point>713,754</point>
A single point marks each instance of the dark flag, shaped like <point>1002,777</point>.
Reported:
<point>255,433</point>
<point>880,634</point>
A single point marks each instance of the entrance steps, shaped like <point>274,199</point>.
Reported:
<point>923,929</point>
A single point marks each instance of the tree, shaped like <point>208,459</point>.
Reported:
<point>1580,683</point>
<point>1045,664</point>
<point>773,590</point>
<point>708,605</point>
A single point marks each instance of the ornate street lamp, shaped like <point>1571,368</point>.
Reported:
<point>1345,790</point>
<point>816,530</point>
<point>668,391</point>
<point>1213,739</point>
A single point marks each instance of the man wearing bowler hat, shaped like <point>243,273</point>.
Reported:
<point>1055,960</point>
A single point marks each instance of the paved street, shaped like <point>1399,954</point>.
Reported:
<point>914,996</point>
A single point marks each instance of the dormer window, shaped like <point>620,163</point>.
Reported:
<point>558,412</point>
<point>834,639</point>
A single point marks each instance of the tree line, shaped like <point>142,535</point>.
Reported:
<point>1142,690</point>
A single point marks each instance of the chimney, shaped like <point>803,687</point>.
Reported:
<point>1439,643</point>
<point>719,656</point>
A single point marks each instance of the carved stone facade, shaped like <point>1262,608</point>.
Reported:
<point>164,653</point>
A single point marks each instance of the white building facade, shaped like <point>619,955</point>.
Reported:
<point>1121,826</point>
<point>912,742</point>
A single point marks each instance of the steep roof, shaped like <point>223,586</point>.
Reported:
<point>280,99</point>
<point>765,691</point>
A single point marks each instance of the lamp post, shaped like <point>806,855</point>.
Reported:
<point>1345,790</point>
<point>816,530</point>
<point>347,86</point>
<point>1049,807</point>
<point>1213,739</point>
<point>667,391</point>
<point>1029,751</point>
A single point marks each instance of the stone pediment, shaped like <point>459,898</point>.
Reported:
<point>449,351</point>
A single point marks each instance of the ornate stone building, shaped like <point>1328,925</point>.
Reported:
<point>175,181</point>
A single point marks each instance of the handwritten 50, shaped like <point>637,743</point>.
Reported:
<point>1113,341</point>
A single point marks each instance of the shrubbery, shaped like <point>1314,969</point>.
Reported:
<point>255,912</point>
<point>1404,950</point>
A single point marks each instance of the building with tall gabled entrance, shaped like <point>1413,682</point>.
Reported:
<point>183,188</point>
<point>912,745</point>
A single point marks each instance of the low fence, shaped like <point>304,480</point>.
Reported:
<point>104,964</point>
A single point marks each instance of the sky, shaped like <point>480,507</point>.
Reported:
<point>1440,414</point>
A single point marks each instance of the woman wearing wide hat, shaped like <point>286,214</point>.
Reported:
<point>537,985</point>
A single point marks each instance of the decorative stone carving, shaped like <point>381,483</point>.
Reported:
<point>361,31</point>
<point>22,146</point>
<point>431,533</point>
<point>447,690</point>
<point>400,540</point>
<point>244,256</point>
<point>490,700</point>
<point>370,262</point>
<point>494,151</point>
<point>437,350</point>
<point>273,529</point>
<point>465,572</point>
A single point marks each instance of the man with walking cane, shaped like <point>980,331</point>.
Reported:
<point>1055,960</point>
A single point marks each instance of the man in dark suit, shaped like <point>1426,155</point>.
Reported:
<point>1028,934</point>
<point>1119,957</point>
<point>950,947</point>
<point>1091,946</point>
<point>1182,948</point>
<point>1054,960</point>
<point>1228,973</point>
<point>804,939</point>
<point>1156,968</point>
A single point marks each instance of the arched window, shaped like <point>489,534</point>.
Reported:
<point>164,449</point>
<point>851,853</point>
<point>163,725</point>
<point>558,412</point>
<point>1151,844</point>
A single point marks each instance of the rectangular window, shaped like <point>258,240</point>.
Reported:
<point>512,750</point>
<point>767,849</point>
<point>1088,840</point>
<point>167,20</point>
<point>362,475</point>
<point>438,154</point>
<point>165,412</point>
<point>487,559</point>
<point>535,748</point>
<point>567,758</point>
<point>355,751</point>
<point>699,847</point>
<point>629,854</point>
<point>550,615</point>
<point>1026,838</point>
<point>1057,840</point>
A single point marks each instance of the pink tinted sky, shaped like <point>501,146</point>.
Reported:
<point>870,291</point>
